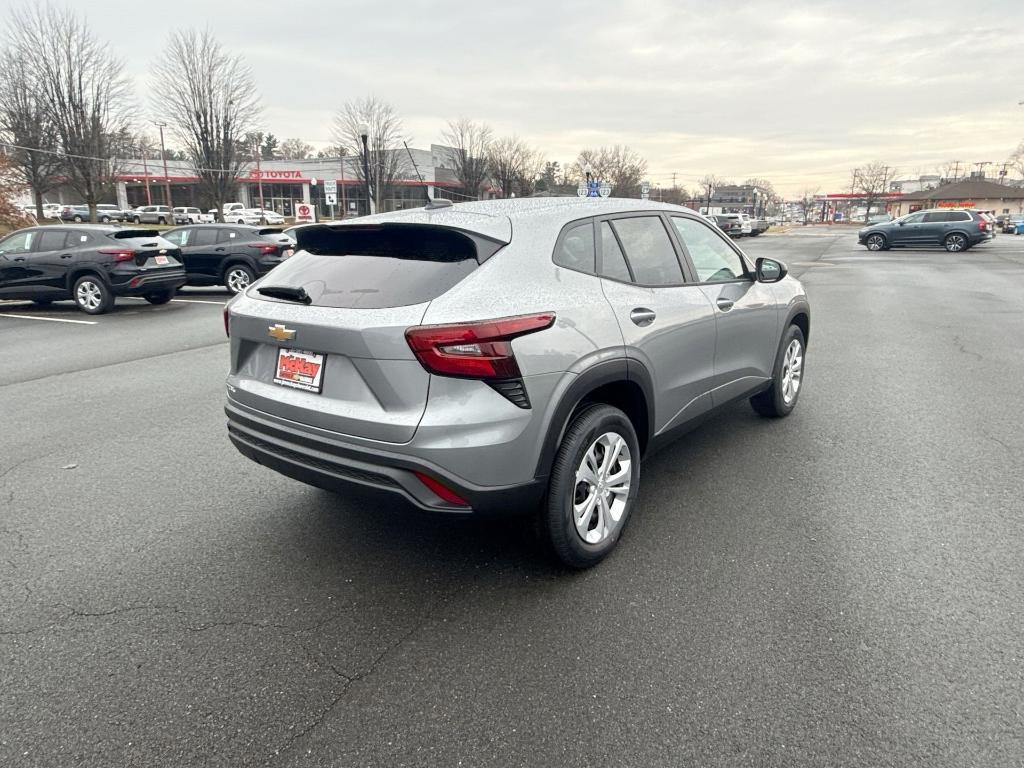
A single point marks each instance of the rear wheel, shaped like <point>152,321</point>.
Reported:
<point>138,220</point>
<point>159,297</point>
<point>161,220</point>
<point>92,295</point>
<point>238,277</point>
<point>876,242</point>
<point>105,219</point>
<point>787,377</point>
<point>78,219</point>
<point>593,486</point>
<point>955,243</point>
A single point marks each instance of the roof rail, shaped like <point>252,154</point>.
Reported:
<point>438,202</point>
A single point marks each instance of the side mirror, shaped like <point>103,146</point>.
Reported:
<point>901,223</point>
<point>770,270</point>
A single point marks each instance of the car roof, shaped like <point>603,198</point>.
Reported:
<point>220,225</point>
<point>497,218</point>
<point>89,227</point>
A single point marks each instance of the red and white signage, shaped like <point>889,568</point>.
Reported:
<point>272,175</point>
<point>305,212</point>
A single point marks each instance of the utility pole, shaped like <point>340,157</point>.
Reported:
<point>364,134</point>
<point>1002,173</point>
<point>259,181</point>
<point>344,202</point>
<point>956,171</point>
<point>163,154</point>
<point>673,179</point>
<point>145,171</point>
<point>981,167</point>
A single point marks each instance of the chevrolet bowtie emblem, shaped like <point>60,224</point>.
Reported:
<point>280,333</point>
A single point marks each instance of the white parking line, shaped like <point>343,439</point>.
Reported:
<point>199,301</point>
<point>48,319</point>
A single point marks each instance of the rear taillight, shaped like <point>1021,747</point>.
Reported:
<point>982,224</point>
<point>264,248</point>
<point>119,254</point>
<point>227,323</point>
<point>481,350</point>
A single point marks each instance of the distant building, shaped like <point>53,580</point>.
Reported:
<point>919,184</point>
<point>739,198</point>
<point>977,194</point>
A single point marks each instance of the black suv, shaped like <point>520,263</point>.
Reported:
<point>91,264</point>
<point>954,230</point>
<point>232,255</point>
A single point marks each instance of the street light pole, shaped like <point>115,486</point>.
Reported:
<point>145,170</point>
<point>163,154</point>
<point>344,202</point>
<point>259,181</point>
<point>364,134</point>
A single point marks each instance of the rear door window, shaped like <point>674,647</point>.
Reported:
<point>649,250</point>
<point>204,236</point>
<point>51,240</point>
<point>226,235</point>
<point>372,267</point>
<point>613,263</point>
<point>576,249</point>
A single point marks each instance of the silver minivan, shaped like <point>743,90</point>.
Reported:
<point>512,356</point>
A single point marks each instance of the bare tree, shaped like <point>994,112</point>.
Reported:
<point>619,165</point>
<point>871,182</point>
<point>514,165</point>
<point>1016,160</point>
<point>84,90</point>
<point>470,144</point>
<point>294,149</point>
<point>708,184</point>
<point>208,99</point>
<point>25,123</point>
<point>384,138</point>
<point>11,185</point>
<point>808,203</point>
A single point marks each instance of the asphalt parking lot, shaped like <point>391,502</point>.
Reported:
<point>842,587</point>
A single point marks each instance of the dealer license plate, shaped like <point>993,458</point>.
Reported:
<point>287,253</point>
<point>301,370</point>
<point>162,260</point>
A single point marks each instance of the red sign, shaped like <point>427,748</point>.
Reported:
<point>956,204</point>
<point>254,174</point>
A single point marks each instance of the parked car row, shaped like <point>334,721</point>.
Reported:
<point>95,263</point>
<point>738,224</point>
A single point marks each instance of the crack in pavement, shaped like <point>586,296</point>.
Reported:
<point>349,681</point>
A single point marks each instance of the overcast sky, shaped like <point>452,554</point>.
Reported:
<point>796,92</point>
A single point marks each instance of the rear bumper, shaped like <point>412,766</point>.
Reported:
<point>336,466</point>
<point>140,285</point>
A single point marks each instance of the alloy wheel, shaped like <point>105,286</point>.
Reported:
<point>792,371</point>
<point>89,295</point>
<point>955,243</point>
<point>601,492</point>
<point>238,280</point>
<point>876,242</point>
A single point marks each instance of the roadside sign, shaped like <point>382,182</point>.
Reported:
<point>330,187</point>
<point>330,198</point>
<point>605,189</point>
<point>645,190</point>
<point>305,212</point>
<point>581,190</point>
<point>313,181</point>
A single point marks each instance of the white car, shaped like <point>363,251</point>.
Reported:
<point>241,216</point>
<point>269,216</point>
<point>191,215</point>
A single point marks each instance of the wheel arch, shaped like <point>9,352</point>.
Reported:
<point>622,383</point>
<point>800,316</point>
<point>81,271</point>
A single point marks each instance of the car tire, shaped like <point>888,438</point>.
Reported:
<point>137,220</point>
<point>161,220</point>
<point>77,219</point>
<point>105,220</point>
<point>955,242</point>
<point>92,295</point>
<point>787,377</point>
<point>876,242</point>
<point>238,277</point>
<point>582,522</point>
<point>160,297</point>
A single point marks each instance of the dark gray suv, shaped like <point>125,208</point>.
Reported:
<point>954,230</point>
<point>508,356</point>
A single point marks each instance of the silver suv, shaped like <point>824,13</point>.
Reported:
<point>507,356</point>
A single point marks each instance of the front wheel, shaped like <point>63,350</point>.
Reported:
<point>161,220</point>
<point>787,377</point>
<point>92,295</point>
<point>160,297</point>
<point>593,486</point>
<point>138,220</point>
<point>238,277</point>
<point>955,243</point>
<point>78,219</point>
<point>876,242</point>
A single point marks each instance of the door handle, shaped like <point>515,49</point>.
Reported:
<point>65,255</point>
<point>642,316</point>
<point>19,258</point>
<point>219,250</point>
<point>725,304</point>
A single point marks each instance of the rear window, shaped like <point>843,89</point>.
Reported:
<point>372,267</point>
<point>123,234</point>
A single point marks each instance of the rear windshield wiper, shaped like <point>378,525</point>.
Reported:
<point>286,292</point>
